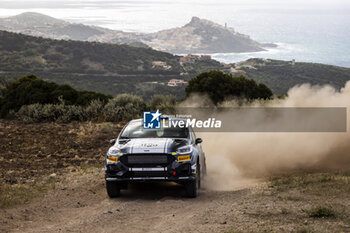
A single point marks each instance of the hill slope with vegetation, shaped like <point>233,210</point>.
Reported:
<point>116,69</point>
<point>107,68</point>
<point>280,76</point>
<point>31,54</point>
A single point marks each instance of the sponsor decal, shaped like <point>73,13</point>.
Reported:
<point>183,158</point>
<point>148,145</point>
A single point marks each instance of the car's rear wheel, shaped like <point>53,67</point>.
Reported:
<point>113,189</point>
<point>193,185</point>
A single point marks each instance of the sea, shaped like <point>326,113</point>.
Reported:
<point>307,31</point>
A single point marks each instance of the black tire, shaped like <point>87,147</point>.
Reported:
<point>199,175</point>
<point>204,169</point>
<point>113,189</point>
<point>193,185</point>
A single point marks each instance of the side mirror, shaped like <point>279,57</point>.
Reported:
<point>112,142</point>
<point>198,140</point>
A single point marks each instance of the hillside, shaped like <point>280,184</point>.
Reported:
<point>282,75</point>
<point>30,20</point>
<point>31,54</point>
<point>201,36</point>
<point>198,36</point>
<point>114,69</point>
<point>36,24</point>
<point>107,68</point>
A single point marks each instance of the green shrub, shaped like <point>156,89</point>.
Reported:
<point>123,108</point>
<point>166,104</point>
<point>50,113</point>
<point>86,97</point>
<point>32,90</point>
<point>94,111</point>
<point>322,212</point>
<point>3,87</point>
<point>220,86</point>
<point>30,113</point>
<point>120,109</point>
<point>304,230</point>
<point>71,113</point>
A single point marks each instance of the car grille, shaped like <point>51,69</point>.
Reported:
<point>146,159</point>
<point>139,160</point>
<point>150,174</point>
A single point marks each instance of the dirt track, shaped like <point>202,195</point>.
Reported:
<point>79,202</point>
<point>83,206</point>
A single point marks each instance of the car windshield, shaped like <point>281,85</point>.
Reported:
<point>136,130</point>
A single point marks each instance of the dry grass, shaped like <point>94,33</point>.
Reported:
<point>325,184</point>
<point>317,196</point>
<point>16,194</point>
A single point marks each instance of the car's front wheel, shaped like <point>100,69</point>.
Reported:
<point>193,185</point>
<point>113,189</point>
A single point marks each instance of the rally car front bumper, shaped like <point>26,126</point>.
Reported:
<point>166,169</point>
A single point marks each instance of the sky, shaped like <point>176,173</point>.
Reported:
<point>54,3</point>
<point>66,9</point>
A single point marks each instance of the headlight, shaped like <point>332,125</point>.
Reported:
<point>113,152</point>
<point>185,150</point>
<point>113,155</point>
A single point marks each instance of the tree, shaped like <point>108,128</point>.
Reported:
<point>31,90</point>
<point>220,86</point>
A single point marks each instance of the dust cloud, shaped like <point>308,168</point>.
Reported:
<point>238,159</point>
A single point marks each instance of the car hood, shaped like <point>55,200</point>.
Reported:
<point>150,145</point>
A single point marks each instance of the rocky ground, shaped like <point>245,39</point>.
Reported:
<point>52,180</point>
